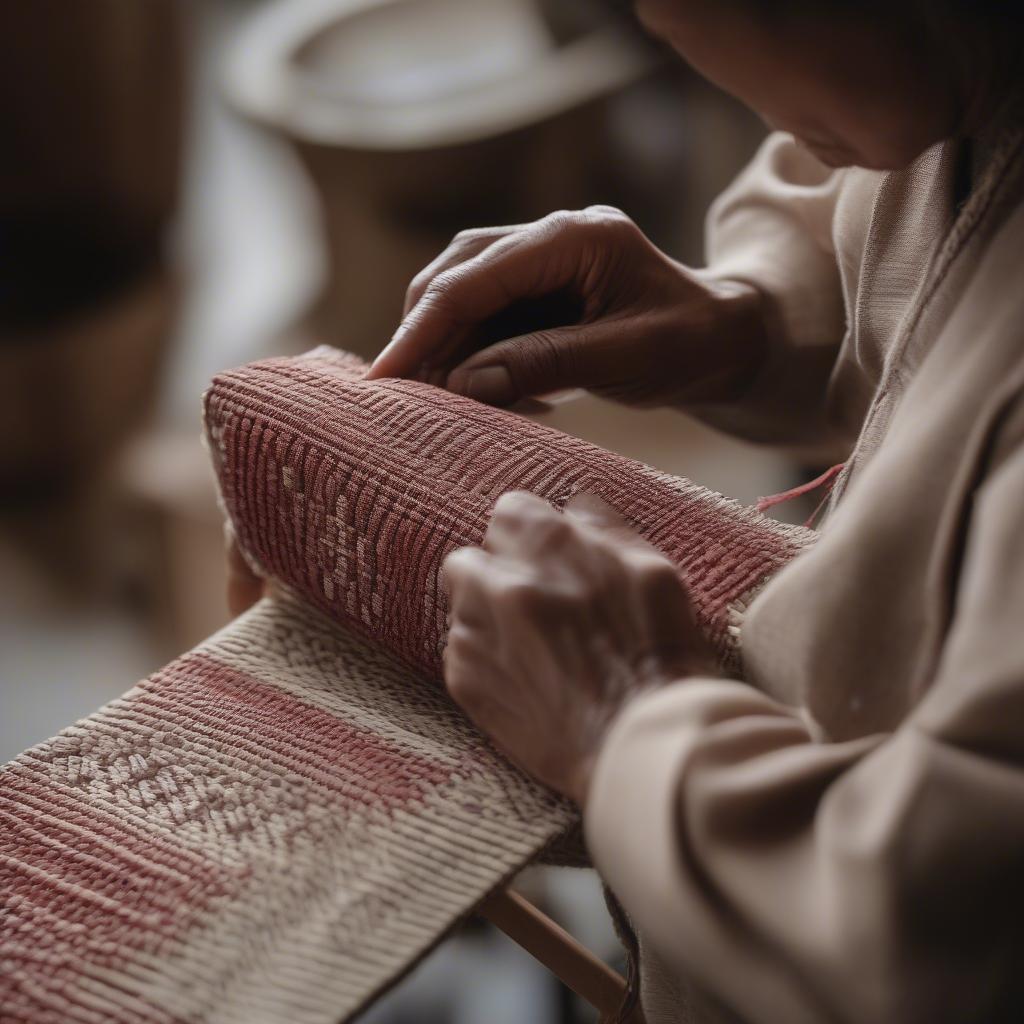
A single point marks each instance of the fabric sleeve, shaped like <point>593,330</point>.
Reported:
<point>876,881</point>
<point>772,228</point>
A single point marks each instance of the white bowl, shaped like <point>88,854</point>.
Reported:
<point>392,75</point>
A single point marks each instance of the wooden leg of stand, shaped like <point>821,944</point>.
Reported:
<point>570,961</point>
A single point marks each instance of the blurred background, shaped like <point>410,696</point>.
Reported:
<point>191,184</point>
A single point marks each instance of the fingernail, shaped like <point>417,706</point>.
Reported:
<point>492,384</point>
<point>389,346</point>
<point>395,338</point>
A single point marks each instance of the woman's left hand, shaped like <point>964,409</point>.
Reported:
<point>556,622</point>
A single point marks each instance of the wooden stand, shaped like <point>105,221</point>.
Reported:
<point>570,961</point>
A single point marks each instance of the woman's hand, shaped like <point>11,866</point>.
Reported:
<point>575,300</point>
<point>555,623</point>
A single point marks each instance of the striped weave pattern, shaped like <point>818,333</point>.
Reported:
<point>278,824</point>
<point>272,828</point>
<point>352,492</point>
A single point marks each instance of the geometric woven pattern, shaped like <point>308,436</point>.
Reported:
<point>351,493</point>
<point>272,828</point>
<point>280,823</point>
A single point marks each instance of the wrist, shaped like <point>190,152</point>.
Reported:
<point>742,328</point>
<point>713,338</point>
<point>577,786</point>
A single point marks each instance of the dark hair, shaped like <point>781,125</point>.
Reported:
<point>996,11</point>
<point>963,29</point>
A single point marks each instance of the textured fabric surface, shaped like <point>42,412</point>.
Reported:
<point>351,493</point>
<point>272,828</point>
<point>279,823</point>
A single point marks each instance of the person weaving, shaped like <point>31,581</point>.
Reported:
<point>839,834</point>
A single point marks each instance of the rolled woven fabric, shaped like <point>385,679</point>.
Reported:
<point>350,493</point>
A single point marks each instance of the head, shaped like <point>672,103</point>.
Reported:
<point>871,83</point>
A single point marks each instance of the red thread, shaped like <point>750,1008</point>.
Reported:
<point>827,478</point>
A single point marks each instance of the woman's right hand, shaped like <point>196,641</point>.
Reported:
<point>575,300</point>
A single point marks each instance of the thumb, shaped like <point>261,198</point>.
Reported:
<point>530,365</point>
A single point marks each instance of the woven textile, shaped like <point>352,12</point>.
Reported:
<point>272,828</point>
<point>352,492</point>
<point>280,823</point>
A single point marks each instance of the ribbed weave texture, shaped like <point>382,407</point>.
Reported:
<point>272,828</point>
<point>280,823</point>
<point>352,492</point>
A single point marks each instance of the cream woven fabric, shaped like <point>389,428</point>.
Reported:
<point>272,828</point>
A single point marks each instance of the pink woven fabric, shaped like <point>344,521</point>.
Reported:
<point>351,493</point>
<point>273,828</point>
<point>280,823</point>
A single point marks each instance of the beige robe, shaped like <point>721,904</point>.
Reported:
<point>840,836</point>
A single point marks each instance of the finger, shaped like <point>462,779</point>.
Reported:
<point>576,356</point>
<point>590,510</point>
<point>519,521</point>
<point>522,503</point>
<point>244,586</point>
<point>465,245</point>
<point>528,532</point>
<point>471,679</point>
<point>593,513</point>
<point>462,564</point>
<point>237,564</point>
<point>518,266</point>
<point>242,593</point>
<point>665,613</point>
<point>464,575</point>
<point>469,654</point>
<point>244,589</point>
